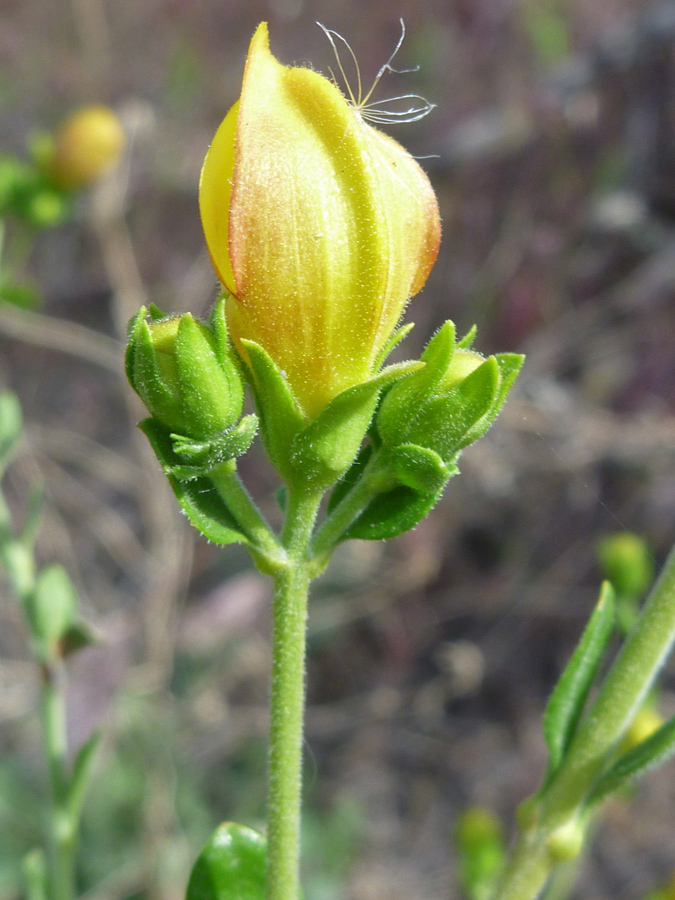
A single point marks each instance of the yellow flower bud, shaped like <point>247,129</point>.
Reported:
<point>87,145</point>
<point>320,227</point>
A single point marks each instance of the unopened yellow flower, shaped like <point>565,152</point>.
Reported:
<point>320,227</point>
<point>88,144</point>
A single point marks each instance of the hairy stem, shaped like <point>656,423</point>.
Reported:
<point>288,700</point>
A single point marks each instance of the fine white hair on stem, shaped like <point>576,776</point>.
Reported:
<point>378,111</point>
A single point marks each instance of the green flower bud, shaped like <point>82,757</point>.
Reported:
<point>451,402</point>
<point>185,373</point>
<point>627,562</point>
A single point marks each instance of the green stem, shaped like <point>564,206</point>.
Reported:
<point>288,700</point>
<point>63,828</point>
<point>240,503</point>
<point>621,695</point>
<point>374,480</point>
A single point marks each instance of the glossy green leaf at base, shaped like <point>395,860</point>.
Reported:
<point>231,866</point>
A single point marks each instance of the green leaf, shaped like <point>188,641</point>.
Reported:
<point>391,514</point>
<point>655,750</point>
<point>11,426</point>
<point>198,498</point>
<point>395,511</point>
<point>77,636</point>
<point>230,867</point>
<point>83,768</point>
<point>51,606</point>
<point>569,695</point>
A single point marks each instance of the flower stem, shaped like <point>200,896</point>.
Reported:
<point>242,506</point>
<point>62,826</point>
<point>375,480</point>
<point>288,700</point>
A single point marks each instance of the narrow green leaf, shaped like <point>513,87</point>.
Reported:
<point>11,424</point>
<point>655,750</point>
<point>569,695</point>
<point>198,499</point>
<point>83,768</point>
<point>230,867</point>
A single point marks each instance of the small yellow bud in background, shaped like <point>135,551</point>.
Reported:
<point>87,145</point>
<point>320,227</point>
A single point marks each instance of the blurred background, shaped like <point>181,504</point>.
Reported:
<point>552,150</point>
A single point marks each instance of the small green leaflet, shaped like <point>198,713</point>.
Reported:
<point>569,695</point>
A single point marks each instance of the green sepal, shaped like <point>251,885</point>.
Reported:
<point>658,748</point>
<point>198,498</point>
<point>403,402</point>
<point>395,339</point>
<point>327,446</point>
<point>210,384</point>
<point>448,422</point>
<point>50,609</point>
<point>281,419</point>
<point>133,329</point>
<point>155,313</point>
<point>320,450</point>
<point>468,339</point>
<point>202,456</point>
<point>569,696</point>
<point>231,866</point>
<point>83,768</point>
<point>143,371</point>
<point>418,468</point>
<point>509,365</point>
<point>11,426</point>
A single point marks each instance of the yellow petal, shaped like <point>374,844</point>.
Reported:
<point>320,226</point>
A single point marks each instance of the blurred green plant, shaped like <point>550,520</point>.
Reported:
<point>49,602</point>
<point>481,852</point>
<point>38,191</point>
